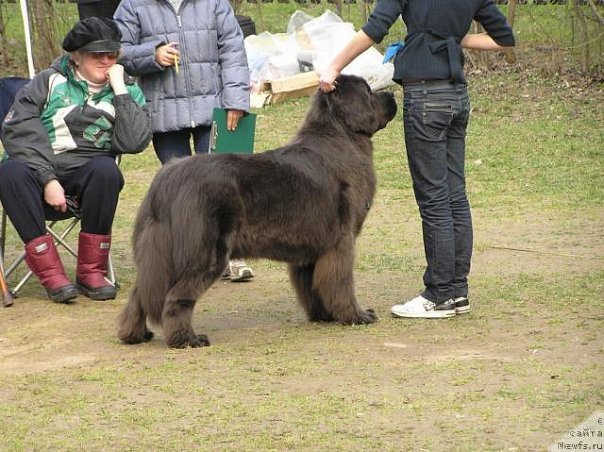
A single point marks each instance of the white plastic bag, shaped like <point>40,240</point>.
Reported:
<point>323,37</point>
<point>312,43</point>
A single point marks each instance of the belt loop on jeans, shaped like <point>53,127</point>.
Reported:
<point>425,88</point>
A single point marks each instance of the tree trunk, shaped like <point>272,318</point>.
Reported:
<point>510,55</point>
<point>44,33</point>
<point>4,57</point>
<point>584,41</point>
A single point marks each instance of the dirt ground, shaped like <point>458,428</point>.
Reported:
<point>51,338</point>
<point>37,336</point>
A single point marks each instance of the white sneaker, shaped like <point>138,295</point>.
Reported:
<point>422,308</point>
<point>239,270</point>
<point>462,305</point>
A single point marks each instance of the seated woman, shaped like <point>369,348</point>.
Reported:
<point>61,138</point>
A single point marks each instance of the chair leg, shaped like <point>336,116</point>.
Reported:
<point>7,298</point>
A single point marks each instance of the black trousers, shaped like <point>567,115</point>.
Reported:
<point>104,8</point>
<point>95,185</point>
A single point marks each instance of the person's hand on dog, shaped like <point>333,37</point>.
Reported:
<point>167,55</point>
<point>54,195</point>
<point>327,80</point>
<point>233,117</point>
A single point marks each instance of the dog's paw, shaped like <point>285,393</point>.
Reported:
<point>131,338</point>
<point>201,340</point>
<point>363,318</point>
<point>188,340</point>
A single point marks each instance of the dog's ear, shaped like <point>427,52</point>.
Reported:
<point>353,104</point>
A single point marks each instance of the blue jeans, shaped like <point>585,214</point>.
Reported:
<point>177,143</point>
<point>435,119</point>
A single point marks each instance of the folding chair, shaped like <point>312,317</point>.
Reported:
<point>9,87</point>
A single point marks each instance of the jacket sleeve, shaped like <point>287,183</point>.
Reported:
<point>138,59</point>
<point>233,59</point>
<point>132,127</point>
<point>24,137</point>
<point>385,13</point>
<point>495,24</point>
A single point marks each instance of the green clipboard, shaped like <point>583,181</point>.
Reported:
<point>240,140</point>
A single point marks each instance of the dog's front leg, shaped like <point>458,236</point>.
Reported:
<point>301,278</point>
<point>333,282</point>
<point>176,322</point>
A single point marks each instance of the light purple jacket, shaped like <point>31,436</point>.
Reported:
<point>213,69</point>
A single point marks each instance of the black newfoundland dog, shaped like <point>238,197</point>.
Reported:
<point>303,204</point>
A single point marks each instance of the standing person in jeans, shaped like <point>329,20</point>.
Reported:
<point>190,58</point>
<point>98,8</point>
<point>435,114</point>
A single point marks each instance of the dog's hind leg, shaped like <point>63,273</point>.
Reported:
<point>333,282</point>
<point>178,330</point>
<point>301,278</point>
<point>177,315</point>
<point>132,322</point>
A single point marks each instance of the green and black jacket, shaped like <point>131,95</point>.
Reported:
<point>55,125</point>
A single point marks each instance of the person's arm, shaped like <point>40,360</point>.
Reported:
<point>138,58</point>
<point>132,128</point>
<point>234,70</point>
<point>373,32</point>
<point>23,135</point>
<point>496,26</point>
<point>480,41</point>
<point>357,45</point>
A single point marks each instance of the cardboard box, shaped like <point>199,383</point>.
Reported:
<point>292,87</point>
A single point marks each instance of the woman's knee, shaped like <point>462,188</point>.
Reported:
<point>107,173</point>
<point>12,172</point>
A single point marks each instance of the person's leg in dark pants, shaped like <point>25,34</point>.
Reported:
<point>426,128</point>
<point>201,139</point>
<point>429,112</point>
<point>22,199</point>
<point>460,206</point>
<point>96,185</point>
<point>169,145</point>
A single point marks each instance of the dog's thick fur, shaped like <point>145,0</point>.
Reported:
<point>303,204</point>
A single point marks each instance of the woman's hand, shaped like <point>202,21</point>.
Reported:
<point>115,75</point>
<point>54,195</point>
<point>327,80</point>
<point>167,55</point>
<point>233,117</point>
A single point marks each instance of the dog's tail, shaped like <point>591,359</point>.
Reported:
<point>154,264</point>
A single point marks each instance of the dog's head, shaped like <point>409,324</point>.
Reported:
<point>356,106</point>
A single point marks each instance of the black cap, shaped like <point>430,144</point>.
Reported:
<point>92,35</point>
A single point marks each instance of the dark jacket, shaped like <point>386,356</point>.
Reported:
<point>55,125</point>
<point>213,69</point>
<point>434,30</point>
